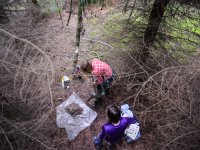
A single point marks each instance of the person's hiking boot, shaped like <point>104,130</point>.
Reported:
<point>98,101</point>
<point>100,94</point>
<point>99,147</point>
<point>97,142</point>
<point>107,91</point>
<point>112,147</point>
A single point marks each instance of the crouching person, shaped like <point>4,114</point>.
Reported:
<point>116,128</point>
<point>102,75</point>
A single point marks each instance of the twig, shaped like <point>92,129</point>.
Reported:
<point>36,47</point>
<point>166,69</point>
<point>131,11</point>
<point>7,139</point>
<point>50,91</point>
<point>128,98</point>
<point>98,42</point>
<point>70,12</point>
<point>13,65</point>
<point>26,133</point>
<point>59,12</point>
<point>177,138</point>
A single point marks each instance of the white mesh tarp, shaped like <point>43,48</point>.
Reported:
<point>73,125</point>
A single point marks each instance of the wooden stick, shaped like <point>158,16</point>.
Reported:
<point>59,11</point>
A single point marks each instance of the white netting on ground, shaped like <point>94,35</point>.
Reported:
<point>73,125</point>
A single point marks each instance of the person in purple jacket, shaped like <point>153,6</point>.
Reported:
<point>113,131</point>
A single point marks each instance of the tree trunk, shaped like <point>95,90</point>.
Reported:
<point>70,12</point>
<point>59,10</point>
<point>151,31</point>
<point>126,6</point>
<point>78,32</point>
<point>3,16</point>
<point>35,2</point>
<point>65,5</point>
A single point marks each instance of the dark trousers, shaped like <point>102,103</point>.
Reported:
<point>103,88</point>
<point>99,144</point>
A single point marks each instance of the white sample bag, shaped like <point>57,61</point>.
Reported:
<point>73,125</point>
<point>125,111</point>
<point>132,131</point>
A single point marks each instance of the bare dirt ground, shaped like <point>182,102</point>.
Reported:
<point>63,39</point>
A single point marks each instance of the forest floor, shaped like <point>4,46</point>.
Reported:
<point>163,98</point>
<point>164,94</point>
<point>63,41</point>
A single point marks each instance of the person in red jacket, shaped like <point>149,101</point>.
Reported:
<point>102,75</point>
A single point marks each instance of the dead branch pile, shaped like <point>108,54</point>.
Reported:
<point>168,104</point>
<point>26,74</point>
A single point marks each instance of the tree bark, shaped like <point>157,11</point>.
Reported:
<point>65,5</point>
<point>70,12</point>
<point>151,31</point>
<point>78,32</point>
<point>59,10</point>
<point>3,16</point>
<point>35,2</point>
<point>126,6</point>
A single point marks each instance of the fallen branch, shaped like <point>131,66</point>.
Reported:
<point>11,124</point>
<point>70,12</point>
<point>7,139</point>
<point>180,137</point>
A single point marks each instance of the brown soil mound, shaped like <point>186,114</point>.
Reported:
<point>74,109</point>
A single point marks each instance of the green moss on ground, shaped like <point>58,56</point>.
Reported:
<point>114,30</point>
<point>50,6</point>
<point>182,33</point>
<point>181,41</point>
